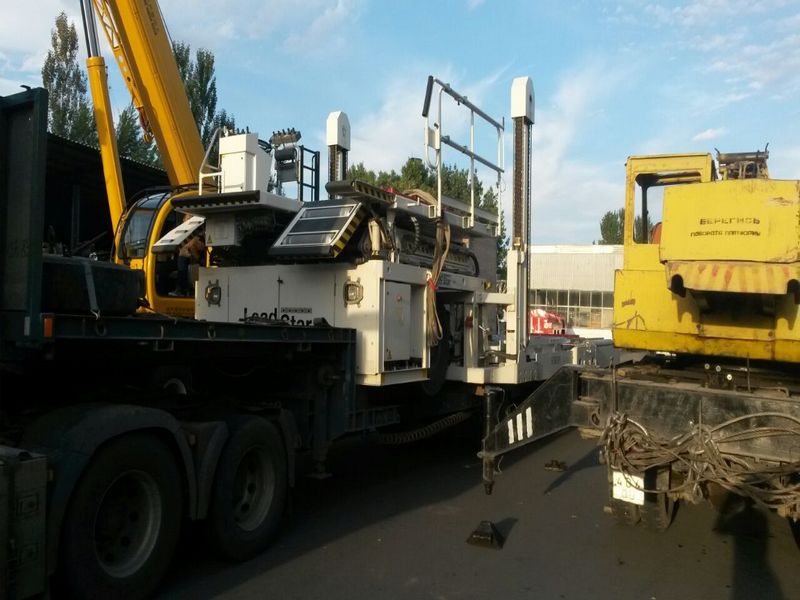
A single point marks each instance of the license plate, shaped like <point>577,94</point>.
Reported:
<point>628,488</point>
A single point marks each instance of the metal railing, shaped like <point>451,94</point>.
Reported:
<point>434,139</point>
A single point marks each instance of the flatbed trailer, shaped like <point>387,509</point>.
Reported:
<point>669,429</point>
<point>145,418</point>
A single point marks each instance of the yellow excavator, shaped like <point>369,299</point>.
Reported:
<point>138,38</point>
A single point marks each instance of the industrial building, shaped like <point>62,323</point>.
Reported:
<point>576,282</point>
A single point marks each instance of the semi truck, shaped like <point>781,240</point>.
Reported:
<point>124,415</point>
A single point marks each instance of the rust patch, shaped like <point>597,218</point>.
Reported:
<point>728,275</point>
<point>701,268</point>
<point>629,302</point>
<point>714,270</point>
<point>781,201</point>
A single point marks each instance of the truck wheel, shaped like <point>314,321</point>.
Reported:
<point>250,489</point>
<point>123,521</point>
<point>658,507</point>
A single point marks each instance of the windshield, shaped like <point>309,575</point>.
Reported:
<point>137,226</point>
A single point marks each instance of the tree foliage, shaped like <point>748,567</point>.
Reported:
<point>414,174</point>
<point>200,84</point>
<point>130,141</point>
<point>200,79</point>
<point>69,111</point>
<point>612,227</point>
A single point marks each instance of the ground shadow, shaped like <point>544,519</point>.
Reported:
<point>747,524</point>
<point>589,460</point>
<point>403,477</point>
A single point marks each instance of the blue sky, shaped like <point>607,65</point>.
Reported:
<point>611,78</point>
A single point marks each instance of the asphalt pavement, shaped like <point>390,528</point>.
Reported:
<point>392,522</point>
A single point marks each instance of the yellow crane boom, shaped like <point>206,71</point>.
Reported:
<point>139,40</point>
<point>138,37</point>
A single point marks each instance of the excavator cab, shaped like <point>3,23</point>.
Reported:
<point>137,225</point>
<point>146,221</point>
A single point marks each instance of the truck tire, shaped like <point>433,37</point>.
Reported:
<point>123,521</point>
<point>250,488</point>
<point>658,507</point>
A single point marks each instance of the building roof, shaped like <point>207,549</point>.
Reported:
<point>76,204</point>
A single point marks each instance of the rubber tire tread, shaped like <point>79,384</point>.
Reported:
<point>79,573</point>
<point>229,540</point>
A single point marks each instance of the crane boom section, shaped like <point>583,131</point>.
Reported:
<point>141,46</point>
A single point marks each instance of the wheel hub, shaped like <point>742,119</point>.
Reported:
<point>253,489</point>
<point>127,523</point>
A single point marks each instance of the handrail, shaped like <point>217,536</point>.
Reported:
<point>434,139</point>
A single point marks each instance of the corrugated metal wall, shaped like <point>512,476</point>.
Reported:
<point>574,267</point>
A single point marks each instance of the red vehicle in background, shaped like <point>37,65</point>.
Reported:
<point>545,323</point>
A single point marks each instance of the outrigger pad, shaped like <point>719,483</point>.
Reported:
<point>486,536</point>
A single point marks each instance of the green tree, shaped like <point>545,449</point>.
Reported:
<point>223,119</point>
<point>612,227</point>
<point>491,203</point>
<point>455,184</point>
<point>69,110</point>
<point>200,80</point>
<point>637,229</point>
<point>200,84</point>
<point>360,172</point>
<point>416,175</point>
<point>130,141</point>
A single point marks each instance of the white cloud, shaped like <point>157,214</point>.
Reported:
<point>13,86</point>
<point>327,25</point>
<point>26,29</point>
<point>709,134</point>
<point>287,24</point>
<point>570,196</point>
<point>718,42</point>
<point>473,4</point>
<point>702,12</point>
<point>784,162</point>
<point>386,137</point>
<point>774,65</point>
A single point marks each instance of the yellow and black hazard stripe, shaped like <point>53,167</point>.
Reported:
<point>347,233</point>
